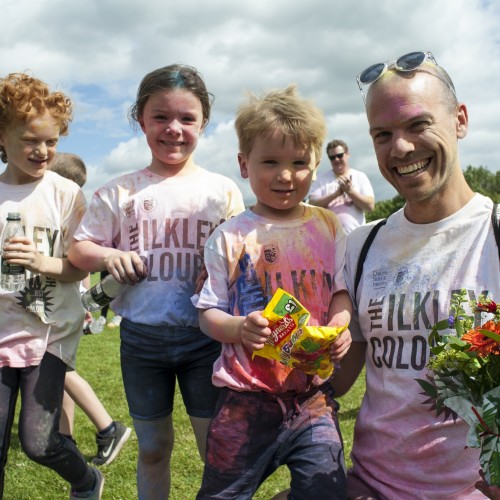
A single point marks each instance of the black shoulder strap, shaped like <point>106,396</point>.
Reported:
<point>495,216</point>
<point>495,221</point>
<point>364,252</point>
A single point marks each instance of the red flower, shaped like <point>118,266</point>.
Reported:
<point>480,343</point>
<point>488,306</point>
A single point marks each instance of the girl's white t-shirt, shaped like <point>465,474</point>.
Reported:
<point>166,221</point>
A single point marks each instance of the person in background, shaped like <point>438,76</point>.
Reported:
<point>40,338</point>
<point>111,435</point>
<point>441,241</point>
<point>151,224</point>
<point>270,414</point>
<point>343,190</point>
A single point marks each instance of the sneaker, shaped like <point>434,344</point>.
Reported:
<point>96,493</point>
<point>109,446</point>
<point>114,322</point>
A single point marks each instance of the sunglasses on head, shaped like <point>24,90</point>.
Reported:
<point>405,63</point>
<point>336,157</point>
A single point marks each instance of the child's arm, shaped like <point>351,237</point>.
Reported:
<point>126,267</point>
<point>22,251</point>
<point>350,368</point>
<point>340,312</point>
<point>252,331</point>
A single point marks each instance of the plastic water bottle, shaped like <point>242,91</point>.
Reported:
<point>95,326</point>
<point>12,275</point>
<point>102,293</point>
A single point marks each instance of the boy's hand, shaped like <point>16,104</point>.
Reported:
<point>254,331</point>
<point>126,267</point>
<point>339,348</point>
<point>22,251</point>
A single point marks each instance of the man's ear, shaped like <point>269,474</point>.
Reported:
<point>462,121</point>
<point>243,166</point>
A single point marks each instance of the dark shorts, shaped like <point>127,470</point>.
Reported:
<point>252,434</point>
<point>153,358</point>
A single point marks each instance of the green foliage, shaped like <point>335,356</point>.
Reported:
<point>385,208</point>
<point>480,179</point>
<point>98,362</point>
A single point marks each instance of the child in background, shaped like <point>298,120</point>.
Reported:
<point>152,223</point>
<point>45,319</point>
<point>268,414</point>
<point>111,435</point>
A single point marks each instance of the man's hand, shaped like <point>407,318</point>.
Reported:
<point>492,492</point>
<point>339,348</point>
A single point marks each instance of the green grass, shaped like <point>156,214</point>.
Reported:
<point>98,362</point>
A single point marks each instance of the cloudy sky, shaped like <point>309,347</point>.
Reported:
<point>97,51</point>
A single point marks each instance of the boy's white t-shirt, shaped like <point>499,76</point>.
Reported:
<point>166,221</point>
<point>248,258</point>
<point>400,447</point>
<point>47,315</point>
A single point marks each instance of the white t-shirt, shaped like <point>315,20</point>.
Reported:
<point>166,221</point>
<point>349,214</point>
<point>47,315</point>
<point>400,447</point>
<point>248,258</point>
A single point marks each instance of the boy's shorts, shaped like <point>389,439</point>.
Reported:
<point>154,357</point>
<point>253,433</point>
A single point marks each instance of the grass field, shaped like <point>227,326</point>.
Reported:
<point>98,362</point>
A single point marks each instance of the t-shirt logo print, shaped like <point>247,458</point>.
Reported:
<point>128,208</point>
<point>149,204</point>
<point>271,253</point>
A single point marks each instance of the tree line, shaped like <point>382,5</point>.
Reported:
<point>480,179</point>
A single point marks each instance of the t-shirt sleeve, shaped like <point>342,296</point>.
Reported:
<point>215,289</point>
<point>235,203</point>
<point>340,255</point>
<point>98,222</point>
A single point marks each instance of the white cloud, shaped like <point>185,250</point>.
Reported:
<point>98,51</point>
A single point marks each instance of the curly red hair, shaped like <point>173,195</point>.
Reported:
<point>21,93</point>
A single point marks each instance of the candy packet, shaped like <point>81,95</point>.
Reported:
<point>292,342</point>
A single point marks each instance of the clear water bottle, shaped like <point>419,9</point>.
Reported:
<point>12,275</point>
<point>102,293</point>
<point>94,326</point>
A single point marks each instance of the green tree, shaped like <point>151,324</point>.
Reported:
<point>480,179</point>
<point>385,208</point>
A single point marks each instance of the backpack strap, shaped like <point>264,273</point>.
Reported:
<point>495,221</point>
<point>364,252</point>
<point>495,216</point>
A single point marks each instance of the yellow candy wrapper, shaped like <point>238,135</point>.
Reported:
<point>292,342</point>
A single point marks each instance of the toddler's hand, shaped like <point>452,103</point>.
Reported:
<point>126,267</point>
<point>254,331</point>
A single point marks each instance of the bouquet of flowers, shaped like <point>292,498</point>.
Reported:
<point>464,375</point>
